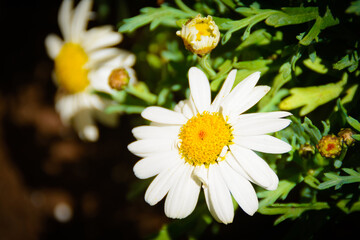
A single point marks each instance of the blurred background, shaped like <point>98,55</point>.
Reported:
<point>54,186</point>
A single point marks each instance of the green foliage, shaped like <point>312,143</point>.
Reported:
<point>338,181</point>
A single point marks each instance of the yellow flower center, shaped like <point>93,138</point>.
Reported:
<point>203,30</point>
<point>69,68</point>
<point>203,138</point>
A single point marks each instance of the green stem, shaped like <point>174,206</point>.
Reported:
<point>185,8</point>
<point>205,64</point>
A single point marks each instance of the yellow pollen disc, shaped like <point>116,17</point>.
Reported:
<point>203,30</point>
<point>203,138</point>
<point>69,68</point>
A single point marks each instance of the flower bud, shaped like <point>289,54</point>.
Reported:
<point>200,35</point>
<point>346,136</point>
<point>306,150</point>
<point>329,146</point>
<point>119,78</point>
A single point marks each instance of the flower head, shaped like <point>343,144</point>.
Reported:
<point>200,35</point>
<point>209,145</point>
<point>329,146</point>
<point>76,57</point>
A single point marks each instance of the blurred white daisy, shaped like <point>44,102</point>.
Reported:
<point>210,145</point>
<point>76,57</point>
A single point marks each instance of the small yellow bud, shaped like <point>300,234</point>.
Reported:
<point>200,35</point>
<point>306,150</point>
<point>119,79</point>
<point>329,146</point>
<point>346,136</point>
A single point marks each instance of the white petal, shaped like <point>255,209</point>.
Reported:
<point>163,115</point>
<point>199,89</point>
<point>144,132</point>
<point>234,164</point>
<point>256,94</point>
<point>185,108</point>
<point>85,126</point>
<point>225,90</point>
<point>265,115</point>
<point>248,127</point>
<point>240,188</point>
<point>182,197</point>
<point>156,163</point>
<point>100,56</point>
<point>160,186</point>
<point>256,167</point>
<point>64,18</point>
<point>80,20</point>
<point>201,173</point>
<point>220,202</point>
<point>239,93</point>
<point>53,44</point>
<point>100,37</point>
<point>263,143</point>
<point>147,146</point>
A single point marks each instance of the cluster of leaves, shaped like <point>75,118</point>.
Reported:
<point>306,51</point>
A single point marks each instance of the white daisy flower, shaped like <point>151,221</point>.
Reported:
<point>76,57</point>
<point>210,145</point>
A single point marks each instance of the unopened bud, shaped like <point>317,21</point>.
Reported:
<point>119,79</point>
<point>346,136</point>
<point>306,150</point>
<point>329,146</point>
<point>200,35</point>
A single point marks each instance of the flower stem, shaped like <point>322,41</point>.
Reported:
<point>204,62</point>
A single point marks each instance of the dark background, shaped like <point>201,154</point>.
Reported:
<point>44,164</point>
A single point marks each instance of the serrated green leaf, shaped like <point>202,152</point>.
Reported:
<point>154,16</point>
<point>356,137</point>
<point>320,24</point>
<point>290,16</point>
<point>309,98</point>
<point>269,197</point>
<point>291,210</point>
<point>354,7</point>
<point>316,65</point>
<point>350,61</point>
<point>338,181</point>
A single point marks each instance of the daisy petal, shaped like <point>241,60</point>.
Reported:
<point>199,89</point>
<point>101,55</point>
<point>240,188</point>
<point>239,93</point>
<point>234,164</point>
<point>100,37</point>
<point>163,115</point>
<point>64,18</point>
<point>155,164</point>
<point>225,90</point>
<point>85,126</point>
<point>160,186</point>
<point>182,197</point>
<point>80,20</point>
<point>258,170</point>
<point>145,132</point>
<point>267,115</point>
<point>53,44</point>
<point>256,94</point>
<point>249,127</point>
<point>263,143</point>
<point>143,147</point>
<point>220,202</point>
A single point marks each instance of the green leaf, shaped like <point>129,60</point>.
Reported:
<point>316,65</point>
<point>354,123</point>
<point>312,97</point>
<point>356,137</point>
<point>289,16</point>
<point>155,16</point>
<point>354,8</point>
<point>291,210</point>
<point>338,181</point>
<point>350,61</point>
<point>320,24</point>
<point>269,197</point>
